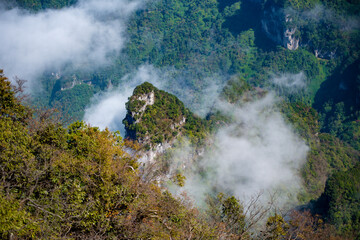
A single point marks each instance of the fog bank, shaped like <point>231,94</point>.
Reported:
<point>85,35</point>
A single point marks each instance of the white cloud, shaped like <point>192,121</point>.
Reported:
<point>290,82</point>
<point>108,109</point>
<point>167,78</point>
<point>83,35</point>
<point>258,152</point>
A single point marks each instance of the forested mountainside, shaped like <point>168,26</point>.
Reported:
<point>37,5</point>
<point>80,182</point>
<point>200,39</point>
<point>218,99</point>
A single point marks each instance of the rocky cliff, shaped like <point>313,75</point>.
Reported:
<point>155,119</point>
<point>277,26</point>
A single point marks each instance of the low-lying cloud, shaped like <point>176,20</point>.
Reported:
<point>258,152</point>
<point>84,35</point>
<point>322,13</point>
<point>289,83</point>
<point>107,109</point>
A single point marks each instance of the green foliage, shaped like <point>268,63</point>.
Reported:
<point>36,5</point>
<point>324,27</point>
<point>232,213</point>
<point>304,118</point>
<point>161,121</point>
<point>184,28</point>
<point>10,107</point>
<point>301,4</point>
<point>15,221</point>
<point>73,101</point>
<point>228,210</point>
<point>79,182</point>
<point>231,10</point>
<point>43,159</point>
<point>180,180</point>
<point>349,7</point>
<point>276,227</point>
<point>201,38</point>
<point>340,201</point>
<point>338,103</point>
<point>327,154</point>
<point>236,89</point>
<point>285,61</point>
<point>144,88</point>
<point>351,134</point>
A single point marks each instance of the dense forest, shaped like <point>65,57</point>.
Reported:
<point>199,64</point>
<point>80,182</point>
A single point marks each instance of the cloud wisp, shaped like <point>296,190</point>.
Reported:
<point>289,83</point>
<point>84,35</point>
<point>257,152</point>
<point>108,108</point>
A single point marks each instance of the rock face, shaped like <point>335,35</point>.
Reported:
<point>274,24</point>
<point>289,41</point>
<point>157,119</point>
<point>148,99</point>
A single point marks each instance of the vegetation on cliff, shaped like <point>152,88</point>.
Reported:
<point>79,182</point>
<point>340,201</point>
<point>196,39</point>
<point>155,116</point>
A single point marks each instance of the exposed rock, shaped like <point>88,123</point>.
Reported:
<point>149,99</point>
<point>325,54</point>
<point>275,28</point>
<point>158,149</point>
<point>56,75</point>
<point>156,119</point>
<point>289,41</point>
<point>153,128</point>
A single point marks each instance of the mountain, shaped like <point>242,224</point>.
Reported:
<point>232,72</point>
<point>80,182</point>
<point>155,119</point>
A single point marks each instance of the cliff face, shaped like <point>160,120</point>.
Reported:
<point>156,118</point>
<point>274,24</point>
<point>290,41</point>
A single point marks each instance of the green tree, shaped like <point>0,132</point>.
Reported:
<point>276,228</point>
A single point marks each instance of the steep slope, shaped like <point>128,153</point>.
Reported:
<point>79,183</point>
<point>156,118</point>
<point>327,155</point>
<point>340,201</point>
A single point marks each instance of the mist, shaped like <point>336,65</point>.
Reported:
<point>257,152</point>
<point>321,13</point>
<point>86,36</point>
<point>107,109</point>
<point>288,82</point>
